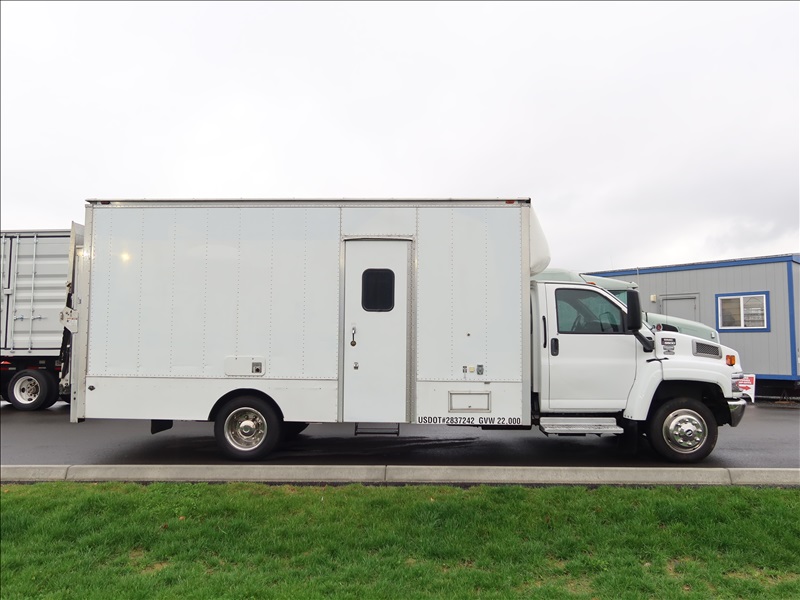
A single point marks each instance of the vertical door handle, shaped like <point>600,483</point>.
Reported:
<point>554,346</point>
<point>544,326</point>
<point>353,343</point>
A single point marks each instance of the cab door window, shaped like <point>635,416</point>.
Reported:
<point>586,311</point>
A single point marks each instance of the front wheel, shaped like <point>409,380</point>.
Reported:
<point>247,428</point>
<point>683,430</point>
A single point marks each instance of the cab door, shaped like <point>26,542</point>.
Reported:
<point>591,360</point>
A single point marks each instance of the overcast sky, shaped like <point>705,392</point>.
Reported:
<point>645,133</point>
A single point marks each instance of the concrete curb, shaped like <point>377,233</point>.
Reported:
<point>33,473</point>
<point>559,475</point>
<point>383,474</point>
<point>778,477</point>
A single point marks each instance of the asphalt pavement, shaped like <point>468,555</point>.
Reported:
<point>444,456</point>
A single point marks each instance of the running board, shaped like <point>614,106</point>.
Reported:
<point>579,425</point>
<point>378,429</point>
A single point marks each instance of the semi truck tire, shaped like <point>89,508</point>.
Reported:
<point>32,390</point>
<point>247,428</point>
<point>683,430</point>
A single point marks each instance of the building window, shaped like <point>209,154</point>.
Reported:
<point>743,312</point>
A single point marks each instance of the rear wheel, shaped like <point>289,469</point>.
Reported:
<point>683,430</point>
<point>247,428</point>
<point>32,390</point>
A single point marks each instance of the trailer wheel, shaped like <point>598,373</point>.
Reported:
<point>247,428</point>
<point>32,390</point>
<point>683,430</point>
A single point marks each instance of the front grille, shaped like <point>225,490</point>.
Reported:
<point>703,349</point>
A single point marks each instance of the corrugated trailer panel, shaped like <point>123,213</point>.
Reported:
<point>35,266</point>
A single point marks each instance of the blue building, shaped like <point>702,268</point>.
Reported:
<point>752,302</point>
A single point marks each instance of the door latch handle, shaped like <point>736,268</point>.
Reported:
<point>554,346</point>
<point>353,343</point>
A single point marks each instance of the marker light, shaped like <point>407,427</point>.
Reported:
<point>730,360</point>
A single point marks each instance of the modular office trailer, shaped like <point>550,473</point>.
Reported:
<point>752,302</point>
<point>33,269</point>
<point>336,311</point>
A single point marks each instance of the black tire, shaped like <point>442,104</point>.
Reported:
<point>291,429</point>
<point>32,390</point>
<point>52,396</point>
<point>683,430</point>
<point>247,428</point>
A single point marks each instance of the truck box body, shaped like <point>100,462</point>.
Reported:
<point>339,311</point>
<point>33,271</point>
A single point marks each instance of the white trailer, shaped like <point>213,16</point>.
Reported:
<point>34,269</point>
<point>265,315</point>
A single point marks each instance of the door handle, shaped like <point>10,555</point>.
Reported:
<point>554,346</point>
<point>544,326</point>
<point>353,343</point>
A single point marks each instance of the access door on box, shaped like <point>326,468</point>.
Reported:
<point>376,330</point>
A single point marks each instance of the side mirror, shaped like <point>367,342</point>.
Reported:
<point>634,318</point>
<point>633,322</point>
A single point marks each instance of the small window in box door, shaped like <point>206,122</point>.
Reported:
<point>377,290</point>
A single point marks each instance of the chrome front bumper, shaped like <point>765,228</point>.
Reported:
<point>737,410</point>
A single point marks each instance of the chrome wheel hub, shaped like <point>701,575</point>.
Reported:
<point>684,430</point>
<point>245,429</point>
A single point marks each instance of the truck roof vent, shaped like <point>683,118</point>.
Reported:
<point>703,349</point>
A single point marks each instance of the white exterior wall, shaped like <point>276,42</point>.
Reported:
<point>470,284</point>
<point>185,297</point>
<point>187,287</point>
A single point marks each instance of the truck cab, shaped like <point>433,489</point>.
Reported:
<point>620,289</point>
<point>598,368</point>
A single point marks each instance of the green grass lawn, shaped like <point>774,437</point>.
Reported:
<point>67,540</point>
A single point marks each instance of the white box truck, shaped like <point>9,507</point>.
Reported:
<point>34,269</point>
<point>265,315</point>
